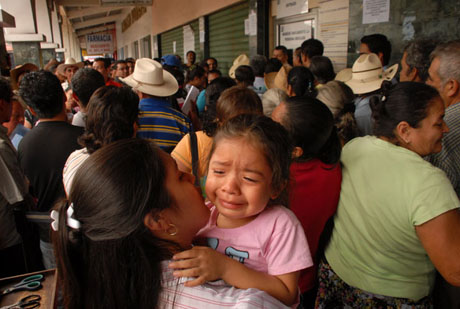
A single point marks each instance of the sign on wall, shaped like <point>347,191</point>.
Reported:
<point>293,34</point>
<point>97,44</point>
<point>189,39</point>
<point>287,8</point>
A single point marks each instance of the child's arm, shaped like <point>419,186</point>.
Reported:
<point>207,265</point>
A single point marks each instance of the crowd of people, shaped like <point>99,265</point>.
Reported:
<point>284,184</point>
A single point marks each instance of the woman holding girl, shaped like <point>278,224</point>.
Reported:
<point>259,243</point>
<point>129,211</point>
<point>316,175</point>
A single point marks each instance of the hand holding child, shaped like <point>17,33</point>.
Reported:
<point>202,262</point>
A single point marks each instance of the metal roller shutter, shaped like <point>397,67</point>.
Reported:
<point>167,41</point>
<point>226,35</point>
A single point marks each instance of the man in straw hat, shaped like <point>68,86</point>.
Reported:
<point>158,121</point>
<point>367,76</point>
<point>68,69</point>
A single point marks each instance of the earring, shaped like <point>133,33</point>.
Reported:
<point>172,230</point>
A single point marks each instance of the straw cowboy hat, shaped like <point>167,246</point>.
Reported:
<point>281,78</point>
<point>18,70</point>
<point>150,78</point>
<point>240,60</point>
<point>269,79</point>
<point>344,75</point>
<point>70,62</point>
<point>367,74</point>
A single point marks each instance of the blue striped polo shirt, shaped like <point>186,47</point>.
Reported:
<point>159,122</point>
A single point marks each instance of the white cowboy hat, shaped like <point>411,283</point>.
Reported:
<point>344,75</point>
<point>367,74</point>
<point>242,59</point>
<point>70,62</point>
<point>150,78</point>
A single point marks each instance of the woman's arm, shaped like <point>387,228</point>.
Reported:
<point>207,265</point>
<point>441,239</point>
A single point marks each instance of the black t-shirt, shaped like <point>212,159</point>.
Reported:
<point>42,155</point>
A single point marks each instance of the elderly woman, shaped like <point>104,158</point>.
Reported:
<point>398,216</point>
<point>129,211</point>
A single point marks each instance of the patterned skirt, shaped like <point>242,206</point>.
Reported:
<point>333,292</point>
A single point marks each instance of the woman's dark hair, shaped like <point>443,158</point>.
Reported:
<point>111,115</point>
<point>405,101</point>
<point>311,126</point>
<point>271,138</point>
<point>235,101</point>
<point>213,92</point>
<point>302,82</point>
<point>113,260</point>
<point>322,69</point>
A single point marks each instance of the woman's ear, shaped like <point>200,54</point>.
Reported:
<point>297,152</point>
<point>155,222</point>
<point>403,132</point>
<point>290,92</point>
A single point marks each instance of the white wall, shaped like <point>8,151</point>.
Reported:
<point>21,10</point>
<point>43,20</point>
<point>57,38</point>
<point>70,39</point>
<point>139,29</point>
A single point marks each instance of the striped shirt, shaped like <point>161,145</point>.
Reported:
<point>449,158</point>
<point>160,122</point>
<point>71,166</point>
<point>216,294</point>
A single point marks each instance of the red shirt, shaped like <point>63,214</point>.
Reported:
<point>313,197</point>
<point>111,82</point>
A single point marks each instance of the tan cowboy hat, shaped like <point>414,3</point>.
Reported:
<point>70,62</point>
<point>240,60</point>
<point>344,75</point>
<point>150,78</point>
<point>269,79</point>
<point>281,78</point>
<point>367,74</point>
<point>18,70</point>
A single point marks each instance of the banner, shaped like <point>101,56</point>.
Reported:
<point>97,44</point>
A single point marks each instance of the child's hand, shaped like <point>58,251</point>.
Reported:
<point>202,262</point>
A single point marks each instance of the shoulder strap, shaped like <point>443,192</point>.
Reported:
<point>194,152</point>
